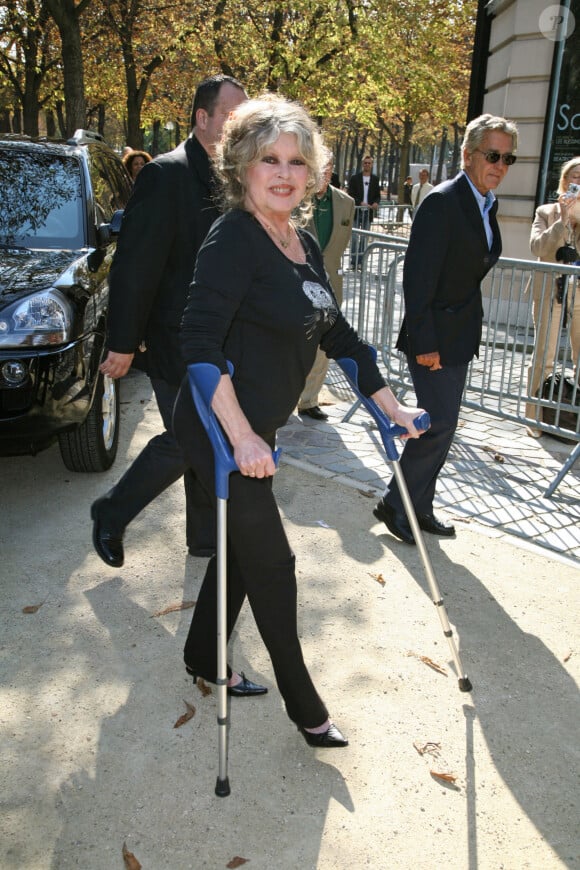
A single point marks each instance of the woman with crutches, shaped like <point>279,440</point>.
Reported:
<point>261,299</point>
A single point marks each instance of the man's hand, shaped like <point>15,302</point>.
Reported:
<point>115,365</point>
<point>431,360</point>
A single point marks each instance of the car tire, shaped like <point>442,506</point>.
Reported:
<point>92,446</point>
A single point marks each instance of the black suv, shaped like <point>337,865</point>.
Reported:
<point>60,210</point>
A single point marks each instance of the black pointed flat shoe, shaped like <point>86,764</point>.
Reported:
<point>329,739</point>
<point>245,689</point>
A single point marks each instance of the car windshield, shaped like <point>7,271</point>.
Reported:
<point>40,200</point>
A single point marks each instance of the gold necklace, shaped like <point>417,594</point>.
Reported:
<point>284,243</point>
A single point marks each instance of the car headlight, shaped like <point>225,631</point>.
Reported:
<point>41,319</point>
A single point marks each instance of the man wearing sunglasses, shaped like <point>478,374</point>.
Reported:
<point>454,242</point>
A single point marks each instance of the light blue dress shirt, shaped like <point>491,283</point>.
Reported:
<point>484,203</point>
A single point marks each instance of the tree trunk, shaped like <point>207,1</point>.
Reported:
<point>408,127</point>
<point>66,18</point>
<point>456,156</point>
<point>30,109</point>
<point>50,124</point>
<point>101,118</point>
<point>155,138</point>
<point>61,120</point>
<point>442,152</point>
<point>5,121</point>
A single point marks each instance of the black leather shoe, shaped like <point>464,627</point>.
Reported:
<point>108,544</point>
<point>395,522</point>
<point>330,739</point>
<point>313,412</point>
<point>429,523</point>
<point>203,552</point>
<point>245,689</point>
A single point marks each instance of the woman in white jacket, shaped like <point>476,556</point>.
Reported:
<point>554,226</point>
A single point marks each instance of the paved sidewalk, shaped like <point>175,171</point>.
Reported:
<point>495,475</point>
<point>92,682</point>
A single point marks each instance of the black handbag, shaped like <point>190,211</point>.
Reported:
<point>567,419</point>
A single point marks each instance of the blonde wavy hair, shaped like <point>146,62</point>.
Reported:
<point>565,172</point>
<point>251,128</point>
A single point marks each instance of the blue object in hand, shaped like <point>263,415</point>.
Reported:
<point>388,430</point>
<point>203,381</point>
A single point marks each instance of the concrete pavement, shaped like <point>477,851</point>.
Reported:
<point>92,681</point>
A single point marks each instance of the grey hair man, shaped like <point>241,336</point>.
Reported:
<point>454,242</point>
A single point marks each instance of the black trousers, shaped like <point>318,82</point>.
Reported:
<point>362,220</point>
<point>260,566</point>
<point>439,393</point>
<point>160,464</point>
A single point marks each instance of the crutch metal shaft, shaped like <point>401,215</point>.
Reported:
<point>388,431</point>
<point>203,382</point>
<point>464,682</point>
<point>222,788</point>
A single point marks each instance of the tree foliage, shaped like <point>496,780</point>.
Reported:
<point>376,74</point>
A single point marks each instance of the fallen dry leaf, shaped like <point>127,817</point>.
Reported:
<point>186,716</point>
<point>181,605</point>
<point>203,687</point>
<point>130,860</point>
<point>237,862</point>
<point>379,578</point>
<point>446,777</point>
<point>427,748</point>
<point>429,662</point>
<point>497,456</point>
<point>32,608</point>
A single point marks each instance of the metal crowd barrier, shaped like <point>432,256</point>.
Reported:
<point>497,381</point>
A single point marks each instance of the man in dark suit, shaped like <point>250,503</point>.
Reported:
<point>365,189</point>
<point>167,218</point>
<point>454,242</point>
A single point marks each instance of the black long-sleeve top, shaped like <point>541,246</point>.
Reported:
<point>250,304</point>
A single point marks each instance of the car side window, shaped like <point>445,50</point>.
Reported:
<point>41,199</point>
<point>104,198</point>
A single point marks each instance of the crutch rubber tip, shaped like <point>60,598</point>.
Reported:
<point>222,787</point>
<point>465,684</point>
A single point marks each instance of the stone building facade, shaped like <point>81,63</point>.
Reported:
<point>527,68</point>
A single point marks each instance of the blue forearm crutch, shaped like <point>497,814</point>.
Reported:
<point>388,432</point>
<point>203,381</point>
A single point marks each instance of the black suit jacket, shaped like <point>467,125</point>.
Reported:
<point>356,190</point>
<point>166,220</point>
<point>447,258</point>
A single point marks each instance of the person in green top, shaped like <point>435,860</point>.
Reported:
<point>331,224</point>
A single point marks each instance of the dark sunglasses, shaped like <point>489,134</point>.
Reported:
<point>494,156</point>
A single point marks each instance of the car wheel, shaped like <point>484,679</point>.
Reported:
<point>93,445</point>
